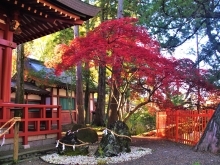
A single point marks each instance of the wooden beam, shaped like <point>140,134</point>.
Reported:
<point>78,22</point>
<point>53,21</point>
<point>7,43</point>
<point>61,11</point>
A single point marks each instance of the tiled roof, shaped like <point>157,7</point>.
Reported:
<point>61,81</point>
<point>81,7</point>
<point>37,66</point>
<point>30,88</point>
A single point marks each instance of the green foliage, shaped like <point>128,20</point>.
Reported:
<point>141,122</point>
<point>101,161</point>
<point>177,100</point>
<point>43,48</point>
<point>174,22</point>
<point>196,163</point>
<point>15,162</point>
<point>101,152</point>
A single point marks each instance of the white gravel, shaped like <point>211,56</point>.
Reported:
<point>136,152</point>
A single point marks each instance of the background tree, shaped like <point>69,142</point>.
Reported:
<point>79,86</point>
<point>190,78</point>
<point>98,117</point>
<point>114,95</point>
<point>87,90</point>
<point>108,10</point>
<point>174,22</point>
<point>43,48</point>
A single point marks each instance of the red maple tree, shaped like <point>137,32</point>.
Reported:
<point>140,71</point>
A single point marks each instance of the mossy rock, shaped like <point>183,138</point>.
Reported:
<point>87,135</point>
<point>76,127</point>
<point>67,127</point>
<point>80,150</point>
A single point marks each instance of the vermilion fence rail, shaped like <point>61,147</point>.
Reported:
<point>35,119</point>
<point>183,126</point>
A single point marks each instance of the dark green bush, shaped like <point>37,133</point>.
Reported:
<point>141,122</point>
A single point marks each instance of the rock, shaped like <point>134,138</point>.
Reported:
<point>115,140</point>
<point>75,127</point>
<point>70,145</point>
<point>85,134</point>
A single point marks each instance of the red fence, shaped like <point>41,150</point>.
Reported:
<point>35,119</point>
<point>183,126</point>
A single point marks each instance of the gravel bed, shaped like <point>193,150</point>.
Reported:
<point>163,152</point>
<point>136,152</point>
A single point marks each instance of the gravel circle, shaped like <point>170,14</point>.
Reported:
<point>164,152</point>
<point>136,152</point>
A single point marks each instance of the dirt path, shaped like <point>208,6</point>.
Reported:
<point>163,153</point>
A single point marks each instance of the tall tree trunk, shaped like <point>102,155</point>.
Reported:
<point>98,118</point>
<point>109,102</point>
<point>210,139</point>
<point>19,95</point>
<point>120,9</point>
<point>70,101</point>
<point>114,111</point>
<point>79,86</point>
<point>87,95</point>
<point>100,108</point>
<point>87,91</point>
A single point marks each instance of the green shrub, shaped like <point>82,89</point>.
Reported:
<point>141,122</point>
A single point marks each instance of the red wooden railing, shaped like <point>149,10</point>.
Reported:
<point>183,126</point>
<point>35,119</point>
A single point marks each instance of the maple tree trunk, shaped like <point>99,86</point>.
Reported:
<point>210,139</point>
<point>113,113</point>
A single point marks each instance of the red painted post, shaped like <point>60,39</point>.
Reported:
<point>59,122</point>
<point>1,57</point>
<point>177,125</point>
<point>25,116</point>
<point>44,112</point>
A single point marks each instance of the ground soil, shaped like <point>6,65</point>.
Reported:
<point>164,152</point>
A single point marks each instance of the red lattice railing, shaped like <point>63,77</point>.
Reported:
<point>35,120</point>
<point>183,126</point>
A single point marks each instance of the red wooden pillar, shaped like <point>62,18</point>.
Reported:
<point>2,29</point>
<point>6,45</point>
